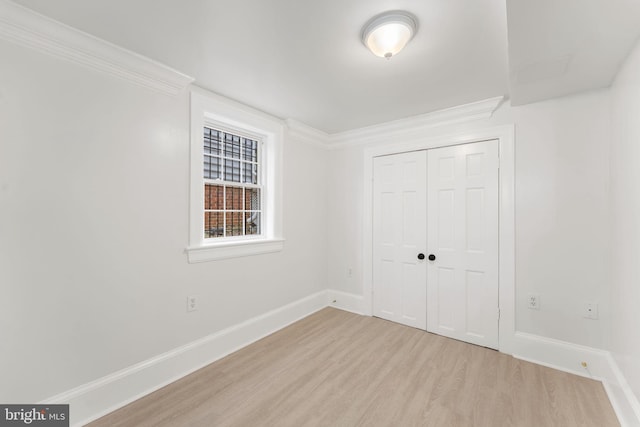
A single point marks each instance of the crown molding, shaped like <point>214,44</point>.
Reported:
<point>463,113</point>
<point>307,134</point>
<point>235,109</point>
<point>27,28</point>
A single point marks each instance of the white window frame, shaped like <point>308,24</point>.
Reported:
<point>223,114</point>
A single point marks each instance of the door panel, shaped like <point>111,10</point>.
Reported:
<point>462,283</point>
<point>399,235</point>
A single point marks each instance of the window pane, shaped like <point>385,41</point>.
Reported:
<point>213,224</point>
<point>231,210</point>
<point>231,146</point>
<point>213,197</point>
<point>211,167</point>
<point>249,150</point>
<point>252,199</point>
<point>252,223</point>
<point>234,223</point>
<point>234,198</point>
<point>232,170</point>
<point>212,141</point>
<point>250,173</point>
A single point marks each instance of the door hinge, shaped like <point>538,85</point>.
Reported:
<point>498,313</point>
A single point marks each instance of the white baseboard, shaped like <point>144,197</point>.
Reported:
<point>97,398</point>
<point>624,401</point>
<point>345,301</point>
<point>562,355</point>
<point>568,357</point>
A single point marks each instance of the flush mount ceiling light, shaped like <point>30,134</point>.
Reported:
<point>388,33</point>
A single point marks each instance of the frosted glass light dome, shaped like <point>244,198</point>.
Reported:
<point>388,33</point>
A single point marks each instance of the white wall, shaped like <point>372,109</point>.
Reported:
<point>625,230</point>
<point>562,212</point>
<point>346,187</point>
<point>562,244</point>
<point>94,185</point>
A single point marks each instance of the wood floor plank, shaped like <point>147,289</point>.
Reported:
<point>339,369</point>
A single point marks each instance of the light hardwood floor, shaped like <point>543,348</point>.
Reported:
<point>335,369</point>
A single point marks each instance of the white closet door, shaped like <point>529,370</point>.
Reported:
<point>399,236</point>
<point>462,290</point>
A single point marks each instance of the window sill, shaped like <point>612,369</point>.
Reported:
<point>228,250</point>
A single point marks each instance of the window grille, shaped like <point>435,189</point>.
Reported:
<point>232,187</point>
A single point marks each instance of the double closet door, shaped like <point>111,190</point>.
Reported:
<point>435,240</point>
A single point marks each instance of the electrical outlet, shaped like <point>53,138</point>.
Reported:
<point>192,303</point>
<point>590,310</point>
<point>533,301</point>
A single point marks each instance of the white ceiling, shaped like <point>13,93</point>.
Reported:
<point>303,59</point>
<point>559,47</point>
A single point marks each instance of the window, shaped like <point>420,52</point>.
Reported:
<point>235,180</point>
<point>232,185</point>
